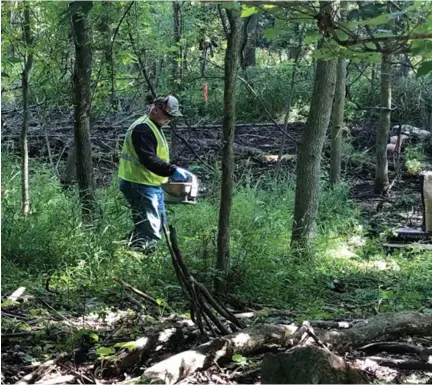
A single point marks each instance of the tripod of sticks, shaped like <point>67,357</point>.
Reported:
<point>205,309</point>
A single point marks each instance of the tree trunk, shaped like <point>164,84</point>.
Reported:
<point>309,156</point>
<point>248,58</point>
<point>290,95</point>
<point>81,101</point>
<point>176,81</point>
<point>381,173</point>
<point>28,62</point>
<point>232,56</point>
<point>337,123</point>
<point>109,54</point>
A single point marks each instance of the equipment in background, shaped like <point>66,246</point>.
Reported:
<point>408,237</point>
<point>181,192</point>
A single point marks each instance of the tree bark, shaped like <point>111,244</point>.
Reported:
<point>309,156</point>
<point>309,365</point>
<point>232,56</point>
<point>337,123</point>
<point>381,172</point>
<point>28,62</point>
<point>248,57</point>
<point>81,101</point>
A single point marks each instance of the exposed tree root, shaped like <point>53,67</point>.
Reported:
<point>250,340</point>
<point>309,365</point>
<point>244,342</point>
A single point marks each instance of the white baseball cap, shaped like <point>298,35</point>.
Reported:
<point>170,104</point>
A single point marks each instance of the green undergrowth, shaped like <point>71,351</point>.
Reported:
<point>347,273</point>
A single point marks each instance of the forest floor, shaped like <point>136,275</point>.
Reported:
<point>100,332</point>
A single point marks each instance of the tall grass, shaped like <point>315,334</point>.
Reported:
<point>53,242</point>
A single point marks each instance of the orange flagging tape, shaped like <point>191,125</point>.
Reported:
<point>206,92</point>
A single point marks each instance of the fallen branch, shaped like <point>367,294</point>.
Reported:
<point>202,301</point>
<point>185,282</point>
<point>244,342</point>
<point>66,379</point>
<point>41,370</point>
<point>139,293</point>
<point>383,324</point>
<point>391,347</point>
<point>140,350</point>
<point>401,364</point>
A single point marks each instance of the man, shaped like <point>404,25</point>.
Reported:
<point>144,166</point>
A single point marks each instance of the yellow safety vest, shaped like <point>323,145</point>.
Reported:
<point>130,168</point>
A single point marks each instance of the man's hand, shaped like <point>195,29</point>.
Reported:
<point>181,175</point>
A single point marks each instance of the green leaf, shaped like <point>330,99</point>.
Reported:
<point>248,11</point>
<point>387,294</point>
<point>9,302</point>
<point>271,33</point>
<point>94,336</point>
<point>104,351</point>
<point>311,37</point>
<point>161,302</point>
<point>238,358</point>
<point>422,47</point>
<point>323,53</point>
<point>131,345</point>
<point>424,68</point>
<point>381,19</point>
<point>230,4</point>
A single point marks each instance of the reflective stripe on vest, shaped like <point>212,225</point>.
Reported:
<point>130,168</point>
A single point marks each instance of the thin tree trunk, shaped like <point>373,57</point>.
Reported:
<point>337,123</point>
<point>248,57</point>
<point>372,85</point>
<point>309,156</point>
<point>175,68</point>
<point>232,56</point>
<point>381,173</point>
<point>81,100</point>
<point>290,96</point>
<point>28,62</point>
<point>109,53</point>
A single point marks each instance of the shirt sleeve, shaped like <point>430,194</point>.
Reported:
<point>145,144</point>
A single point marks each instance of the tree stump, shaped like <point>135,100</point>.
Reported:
<point>308,365</point>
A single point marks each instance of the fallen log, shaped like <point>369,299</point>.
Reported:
<point>137,352</point>
<point>244,342</point>
<point>250,340</point>
<point>402,364</point>
<point>391,347</point>
<point>308,365</point>
<point>383,324</point>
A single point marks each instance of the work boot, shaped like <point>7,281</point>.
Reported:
<point>143,247</point>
